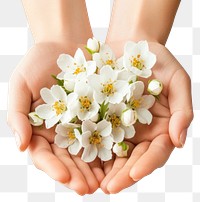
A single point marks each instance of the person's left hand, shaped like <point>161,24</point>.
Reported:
<point>153,144</point>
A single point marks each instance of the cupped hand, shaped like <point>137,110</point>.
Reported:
<point>31,75</point>
<point>153,144</point>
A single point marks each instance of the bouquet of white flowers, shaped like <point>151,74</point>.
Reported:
<point>96,103</point>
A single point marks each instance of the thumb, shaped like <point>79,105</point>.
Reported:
<point>19,101</point>
<point>180,102</point>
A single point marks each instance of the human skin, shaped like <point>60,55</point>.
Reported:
<point>55,31</point>
<point>150,20</point>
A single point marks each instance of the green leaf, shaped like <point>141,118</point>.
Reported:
<point>59,82</point>
<point>103,110</point>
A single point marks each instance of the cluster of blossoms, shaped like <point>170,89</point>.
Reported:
<point>96,103</point>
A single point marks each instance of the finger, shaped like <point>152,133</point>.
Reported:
<point>117,166</point>
<point>180,103</point>
<point>43,158</point>
<point>113,186</point>
<point>90,178</point>
<point>77,181</point>
<point>19,101</point>
<point>97,169</point>
<point>155,157</point>
<point>107,165</point>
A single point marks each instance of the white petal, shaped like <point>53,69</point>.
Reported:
<point>61,75</point>
<point>65,61</point>
<point>119,63</point>
<point>105,154</point>
<point>79,57</point>
<point>95,82</point>
<point>107,73</point>
<point>99,97</point>
<point>91,68</point>
<point>118,134</point>
<point>88,126</point>
<point>47,96</point>
<point>67,116</point>
<point>143,46</point>
<point>107,142</point>
<point>146,73</point>
<point>85,141</point>
<point>144,116</point>
<point>78,135</point>
<point>129,46</point>
<point>89,153</point>
<point>62,142</point>
<point>148,101</point>
<point>51,122</point>
<point>106,53</point>
<point>75,148</point>
<point>104,127</point>
<point>138,89</point>
<point>81,88</point>
<point>97,58</point>
<point>150,60</point>
<point>116,98</point>
<point>121,87</point>
<point>58,92</point>
<point>62,129</point>
<point>45,111</point>
<point>129,131</point>
<point>69,85</point>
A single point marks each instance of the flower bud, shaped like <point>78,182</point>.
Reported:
<point>34,119</point>
<point>155,87</point>
<point>69,85</point>
<point>129,117</point>
<point>121,149</point>
<point>93,45</point>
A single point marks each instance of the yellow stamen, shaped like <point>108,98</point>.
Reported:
<point>109,62</point>
<point>59,107</point>
<point>115,120</point>
<point>71,135</point>
<point>108,89</point>
<point>138,62</point>
<point>85,103</point>
<point>95,138</point>
<point>136,103</point>
<point>78,70</point>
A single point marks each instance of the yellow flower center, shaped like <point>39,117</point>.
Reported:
<point>71,135</point>
<point>115,120</point>
<point>109,62</point>
<point>135,103</point>
<point>108,89</point>
<point>95,138</point>
<point>85,103</point>
<point>138,62</point>
<point>59,107</point>
<point>78,70</point>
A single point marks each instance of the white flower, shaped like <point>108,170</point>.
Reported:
<point>76,68</point>
<point>129,117</point>
<point>34,119</point>
<point>140,103</point>
<point>155,87</point>
<point>106,86</point>
<point>93,45</point>
<point>121,149</point>
<point>107,57</point>
<point>119,131</point>
<point>138,59</point>
<point>57,107</point>
<point>69,137</point>
<point>96,140</point>
<point>84,106</point>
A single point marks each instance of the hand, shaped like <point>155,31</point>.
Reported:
<point>153,144</point>
<point>31,75</point>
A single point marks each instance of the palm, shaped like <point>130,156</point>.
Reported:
<point>152,145</point>
<point>35,72</point>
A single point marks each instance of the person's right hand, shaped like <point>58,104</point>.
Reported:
<point>31,75</point>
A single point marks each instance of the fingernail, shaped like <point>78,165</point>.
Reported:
<point>18,140</point>
<point>132,175</point>
<point>183,137</point>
